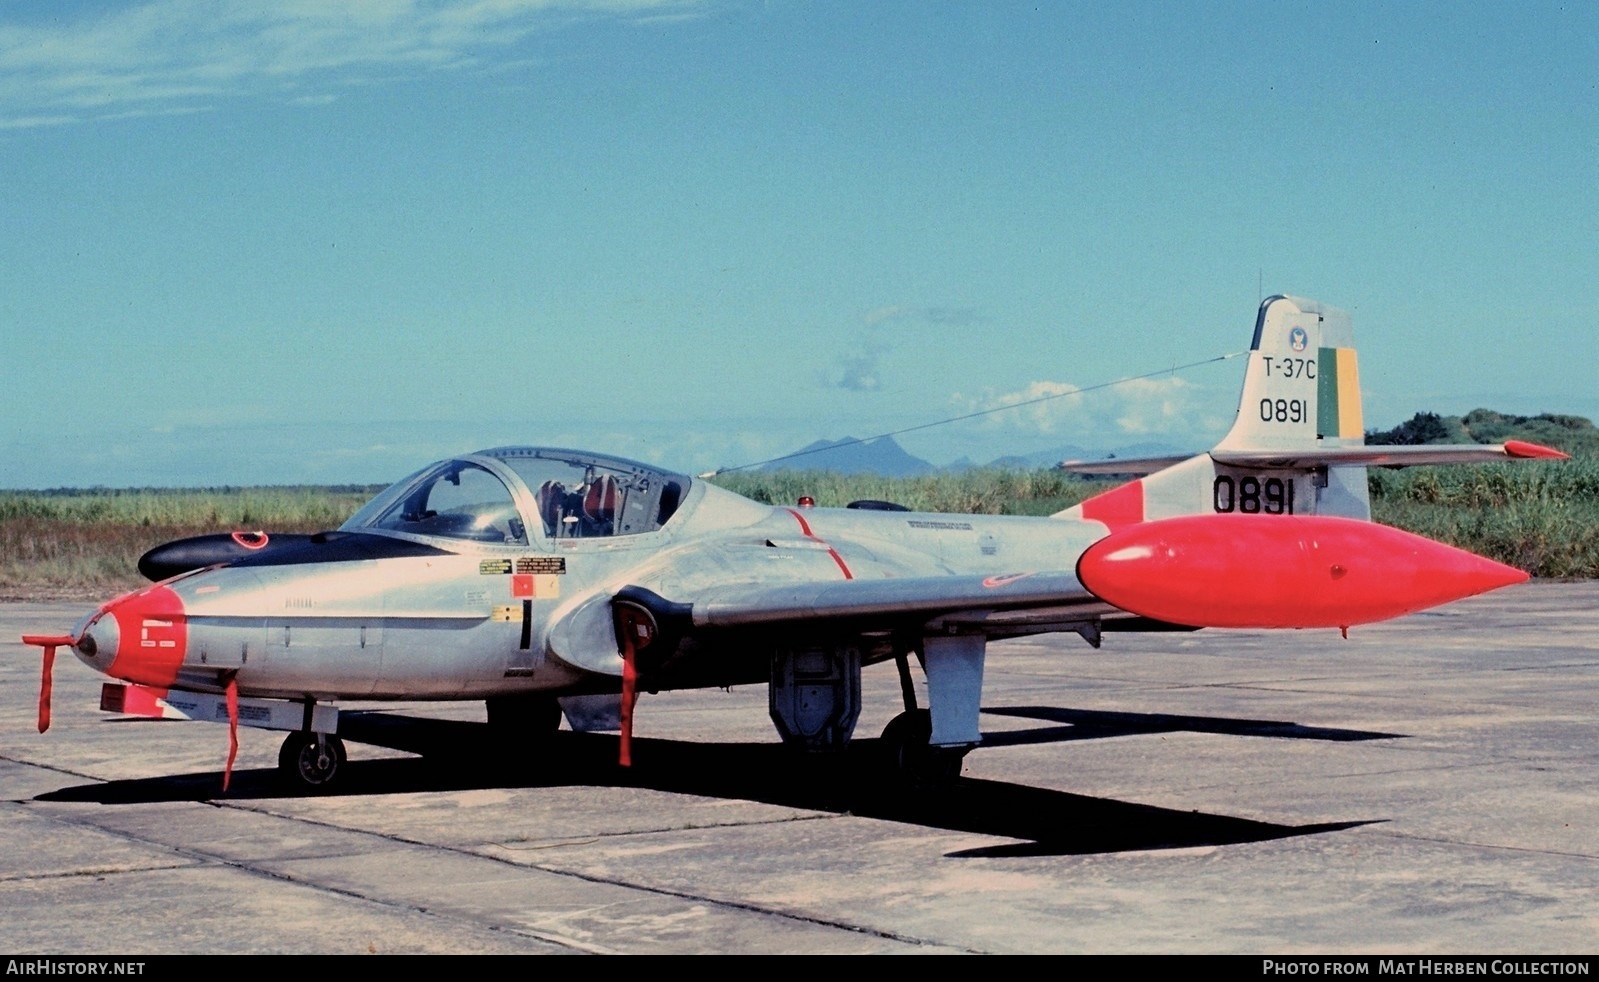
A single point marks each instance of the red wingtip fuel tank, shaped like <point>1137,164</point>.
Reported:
<point>1259,571</point>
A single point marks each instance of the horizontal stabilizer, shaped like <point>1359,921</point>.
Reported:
<point>1368,456</point>
<point>1127,465</point>
<point>1391,456</point>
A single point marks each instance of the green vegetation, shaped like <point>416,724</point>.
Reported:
<point>1541,516</point>
<point>87,543</point>
<point>1573,434</point>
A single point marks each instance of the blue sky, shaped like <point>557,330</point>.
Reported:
<point>301,242</point>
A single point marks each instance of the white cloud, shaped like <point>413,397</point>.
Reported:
<point>162,55</point>
<point>1167,408</point>
<point>1040,407</point>
<point>1155,406</point>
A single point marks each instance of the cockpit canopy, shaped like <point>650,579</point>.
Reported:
<point>508,494</point>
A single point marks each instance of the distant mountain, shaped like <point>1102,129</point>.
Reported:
<point>851,456</point>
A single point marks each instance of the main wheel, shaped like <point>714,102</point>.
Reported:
<point>912,760</point>
<point>313,761</point>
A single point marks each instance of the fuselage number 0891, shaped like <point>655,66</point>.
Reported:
<point>1252,496</point>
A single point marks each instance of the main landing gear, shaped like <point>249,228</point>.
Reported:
<point>311,761</point>
<point>908,753</point>
<point>912,760</point>
<point>815,698</point>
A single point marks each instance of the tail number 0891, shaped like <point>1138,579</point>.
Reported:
<point>1253,496</point>
<point>1284,411</point>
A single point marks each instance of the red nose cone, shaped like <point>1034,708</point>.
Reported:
<point>152,636</point>
<point>1281,571</point>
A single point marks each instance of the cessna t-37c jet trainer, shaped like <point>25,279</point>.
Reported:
<point>526,576</point>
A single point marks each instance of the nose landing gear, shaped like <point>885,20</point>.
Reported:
<point>311,761</point>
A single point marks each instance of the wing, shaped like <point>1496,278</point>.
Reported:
<point>896,601</point>
<point>731,614</point>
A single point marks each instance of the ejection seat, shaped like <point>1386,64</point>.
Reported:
<point>599,506</point>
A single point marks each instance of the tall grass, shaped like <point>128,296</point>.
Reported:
<point>69,543</point>
<point>1542,517</point>
<point>231,507</point>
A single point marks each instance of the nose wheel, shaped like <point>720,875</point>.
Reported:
<point>311,761</point>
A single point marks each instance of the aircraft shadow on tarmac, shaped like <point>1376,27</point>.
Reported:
<point>1087,724</point>
<point>457,755</point>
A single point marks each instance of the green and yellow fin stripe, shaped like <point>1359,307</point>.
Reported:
<point>1338,394</point>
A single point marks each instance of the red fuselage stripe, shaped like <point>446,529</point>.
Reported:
<point>805,527</point>
<point>1117,507</point>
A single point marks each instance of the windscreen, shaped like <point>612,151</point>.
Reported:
<point>455,500</point>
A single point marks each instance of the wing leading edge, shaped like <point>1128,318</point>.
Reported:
<point>990,606</point>
<point>917,598</point>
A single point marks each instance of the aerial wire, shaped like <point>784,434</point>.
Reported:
<point>854,441</point>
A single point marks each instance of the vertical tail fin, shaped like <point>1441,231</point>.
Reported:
<point>1302,386</point>
<point>1300,399</point>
